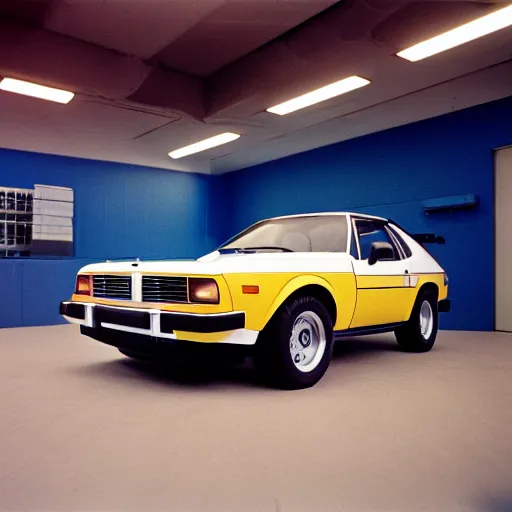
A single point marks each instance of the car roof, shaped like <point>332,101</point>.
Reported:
<point>326,214</point>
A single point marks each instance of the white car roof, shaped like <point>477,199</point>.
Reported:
<point>329,214</point>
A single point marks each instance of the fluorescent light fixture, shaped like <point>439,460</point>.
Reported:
<point>36,91</point>
<point>203,145</point>
<point>324,93</point>
<point>460,35</point>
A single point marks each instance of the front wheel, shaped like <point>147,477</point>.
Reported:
<point>295,349</point>
<point>419,333</point>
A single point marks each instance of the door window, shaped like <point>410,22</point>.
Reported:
<point>369,231</point>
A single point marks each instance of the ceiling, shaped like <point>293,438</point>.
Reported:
<point>151,76</point>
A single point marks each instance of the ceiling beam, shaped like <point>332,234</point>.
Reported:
<point>51,59</point>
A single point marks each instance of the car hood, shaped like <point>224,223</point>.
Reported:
<point>218,264</point>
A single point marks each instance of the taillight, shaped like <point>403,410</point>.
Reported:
<point>83,285</point>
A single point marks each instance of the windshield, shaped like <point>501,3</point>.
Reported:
<point>297,234</point>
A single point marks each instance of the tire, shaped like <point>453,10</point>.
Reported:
<point>298,363</point>
<point>419,333</point>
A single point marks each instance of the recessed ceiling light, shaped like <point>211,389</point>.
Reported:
<point>203,145</point>
<point>324,93</point>
<point>460,35</point>
<point>35,90</point>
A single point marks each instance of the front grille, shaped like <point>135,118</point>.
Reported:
<point>112,287</point>
<point>164,289</point>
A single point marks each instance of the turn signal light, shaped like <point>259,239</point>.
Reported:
<point>250,290</point>
<point>83,285</point>
<point>203,291</point>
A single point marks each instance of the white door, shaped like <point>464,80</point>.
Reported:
<point>503,239</point>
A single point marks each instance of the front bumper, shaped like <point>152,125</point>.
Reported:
<point>159,324</point>
<point>163,349</point>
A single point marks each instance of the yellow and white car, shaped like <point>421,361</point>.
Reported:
<point>282,291</point>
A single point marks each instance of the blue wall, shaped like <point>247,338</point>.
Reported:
<point>390,174</point>
<point>120,211</point>
<point>130,211</point>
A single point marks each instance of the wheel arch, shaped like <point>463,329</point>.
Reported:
<point>312,286</point>
<point>430,286</point>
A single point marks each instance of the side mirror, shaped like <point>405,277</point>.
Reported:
<point>381,251</point>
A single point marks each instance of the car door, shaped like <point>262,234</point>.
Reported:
<point>383,291</point>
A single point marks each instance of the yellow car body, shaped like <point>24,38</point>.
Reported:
<point>253,284</point>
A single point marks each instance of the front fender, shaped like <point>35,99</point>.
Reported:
<point>291,287</point>
<point>276,288</point>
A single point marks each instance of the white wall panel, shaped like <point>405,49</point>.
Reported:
<point>503,239</point>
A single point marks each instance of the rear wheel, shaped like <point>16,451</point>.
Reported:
<point>419,333</point>
<point>295,349</point>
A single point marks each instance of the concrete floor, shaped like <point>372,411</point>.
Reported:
<point>83,428</point>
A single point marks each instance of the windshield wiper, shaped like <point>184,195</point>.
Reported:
<point>262,247</point>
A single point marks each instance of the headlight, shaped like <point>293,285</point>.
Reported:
<point>83,285</point>
<point>203,291</point>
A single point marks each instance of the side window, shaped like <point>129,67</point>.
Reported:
<point>405,248</point>
<point>370,231</point>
